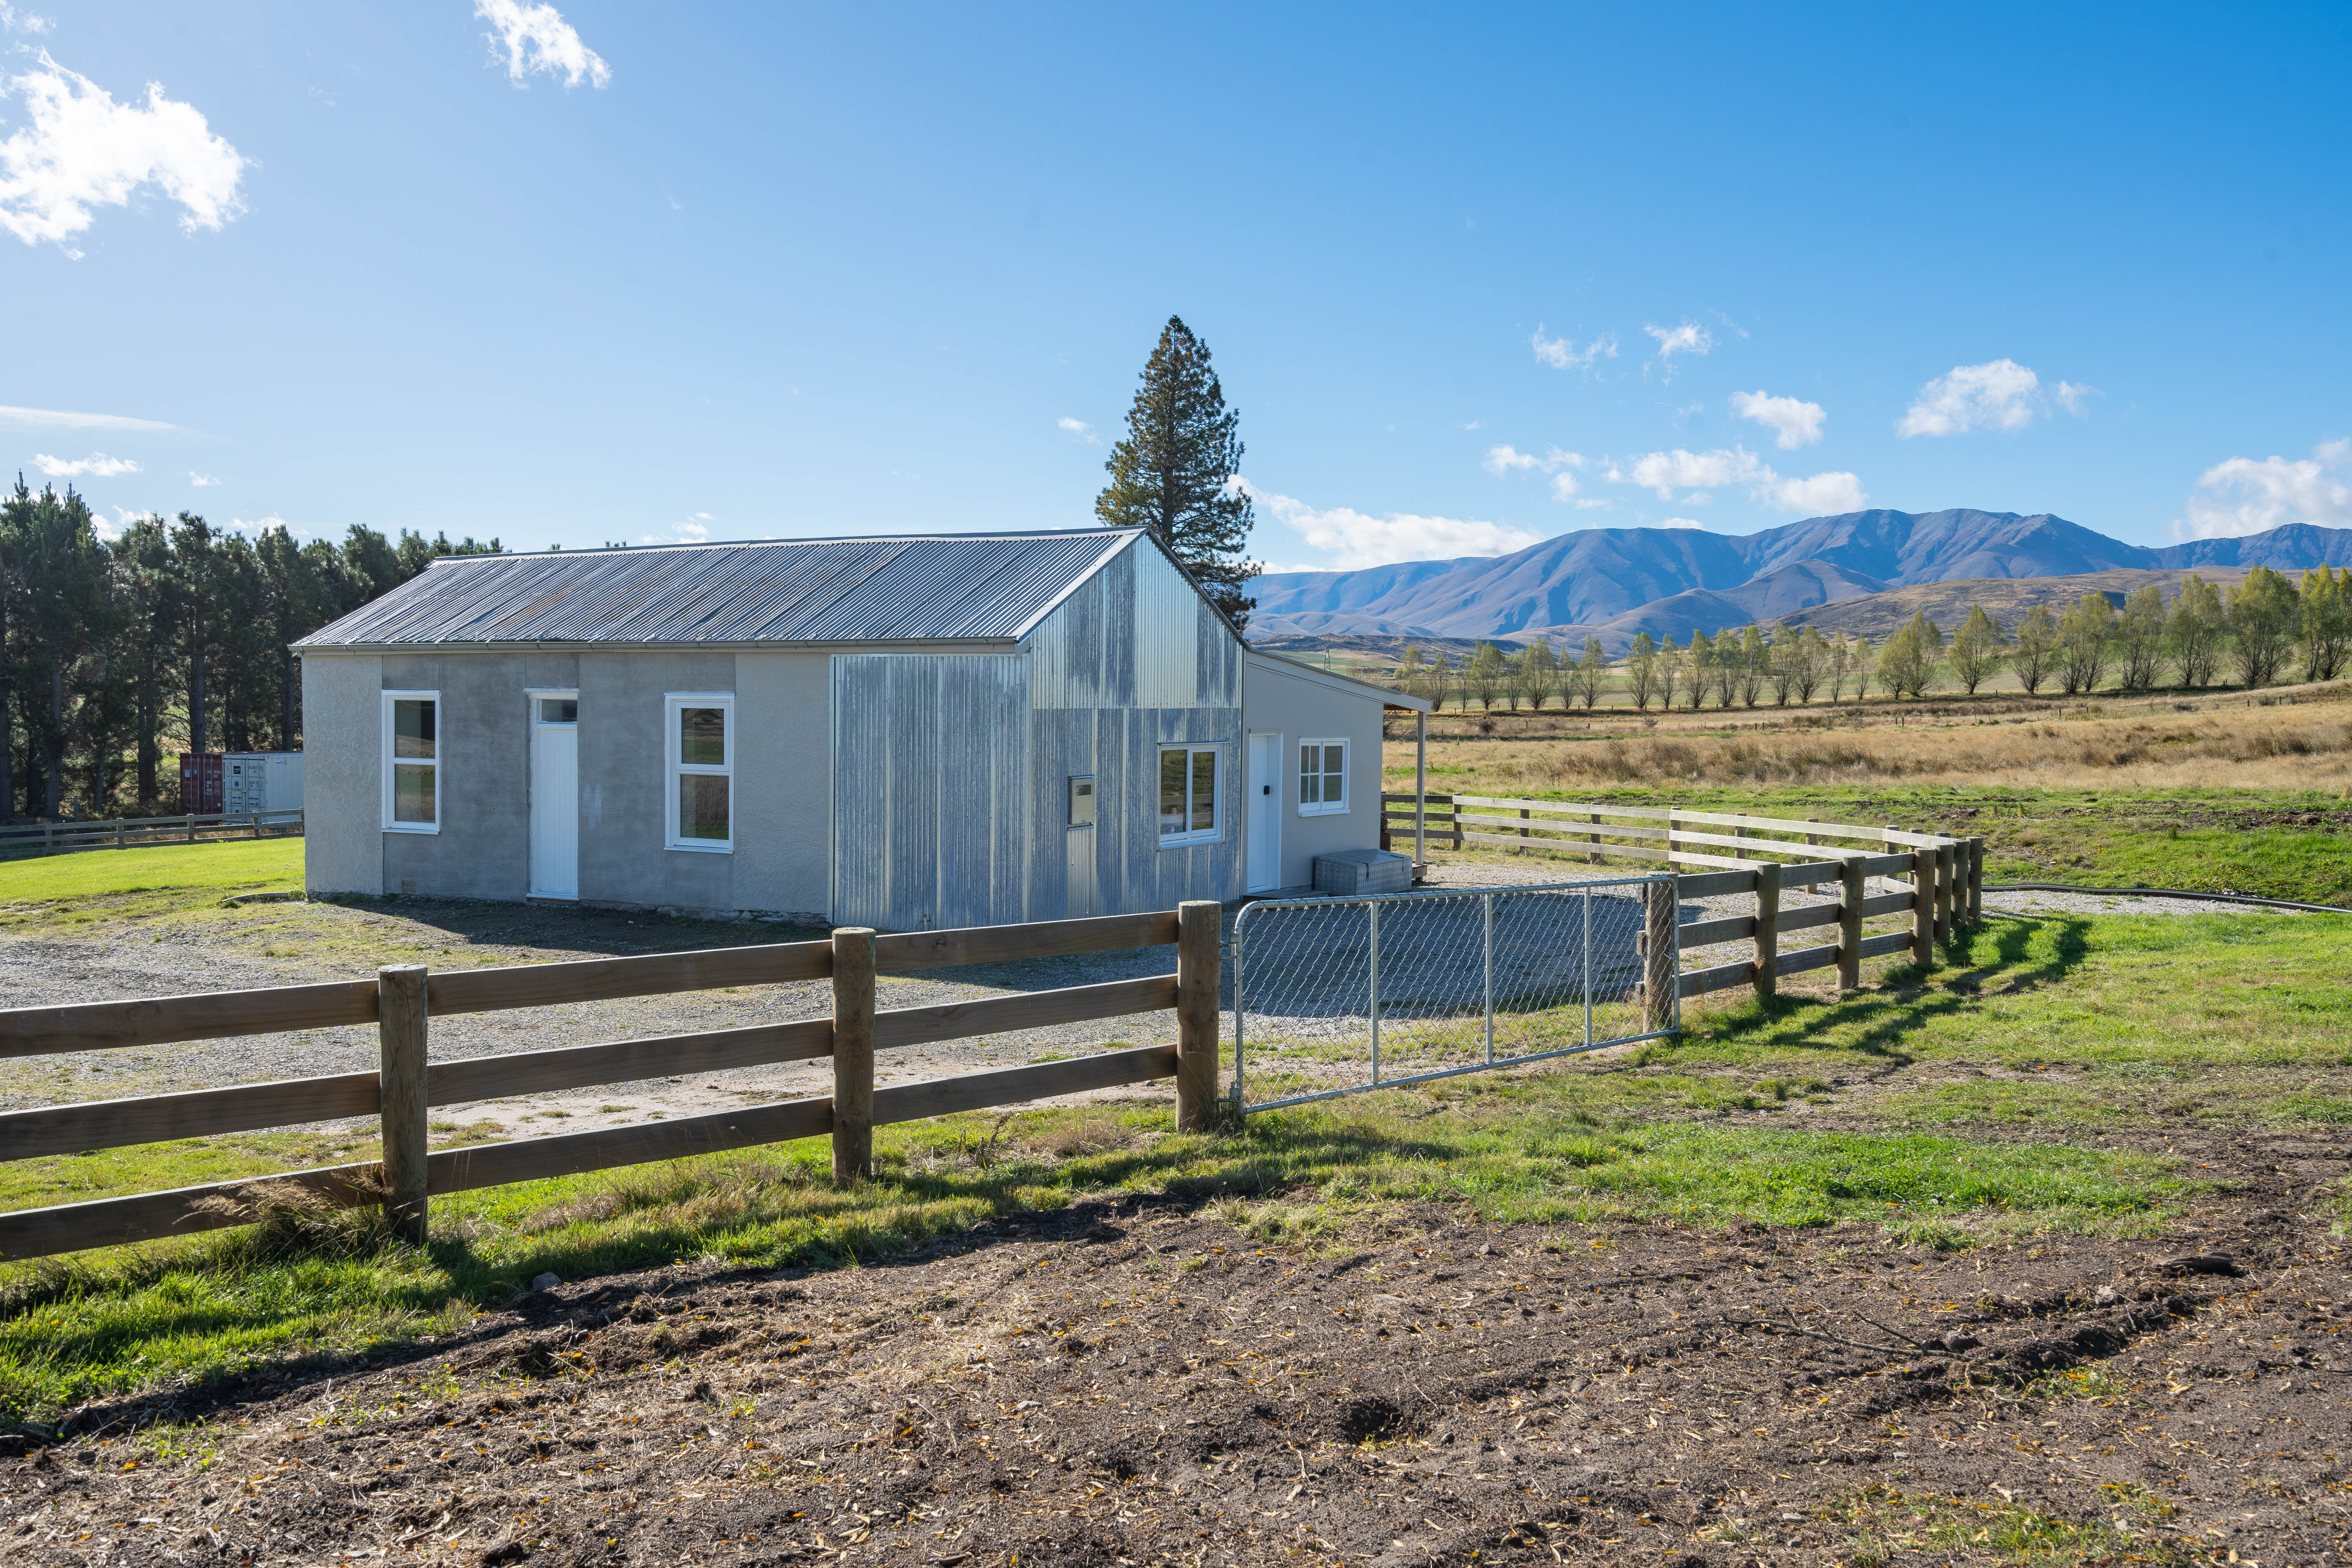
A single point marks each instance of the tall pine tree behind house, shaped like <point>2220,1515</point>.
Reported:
<point>1173,472</point>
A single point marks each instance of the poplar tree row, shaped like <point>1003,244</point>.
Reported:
<point>2262,631</point>
<point>169,637</point>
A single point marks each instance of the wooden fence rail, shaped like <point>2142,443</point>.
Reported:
<point>134,832</point>
<point>1943,878</point>
<point>401,1000</point>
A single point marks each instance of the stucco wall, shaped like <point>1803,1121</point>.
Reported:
<point>1282,699</point>
<point>782,790</point>
<point>342,789</point>
<point>784,783</point>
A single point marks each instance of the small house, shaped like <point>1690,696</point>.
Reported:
<point>908,734</point>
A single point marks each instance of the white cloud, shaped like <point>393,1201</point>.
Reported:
<point>538,39</point>
<point>1078,430</point>
<point>199,480</point>
<point>1666,472</point>
<point>1681,522</point>
<point>2000,394</point>
<point>1794,422</point>
<point>1822,495</point>
<point>15,21</point>
<point>97,466</point>
<point>82,149</point>
<point>63,419</point>
<point>1505,459</point>
<point>1359,539</point>
<point>1688,339</point>
<point>1562,354</point>
<point>695,530</point>
<point>259,523</point>
<point>2243,496</point>
<point>1696,473</point>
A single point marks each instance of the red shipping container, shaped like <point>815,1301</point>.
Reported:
<point>200,783</point>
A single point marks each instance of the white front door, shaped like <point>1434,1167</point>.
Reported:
<point>1263,846</point>
<point>554,794</point>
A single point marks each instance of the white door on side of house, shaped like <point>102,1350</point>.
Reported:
<point>1263,848</point>
<point>554,794</point>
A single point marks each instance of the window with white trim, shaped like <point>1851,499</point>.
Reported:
<point>1322,778</point>
<point>699,740</point>
<point>1191,811</point>
<point>411,762</point>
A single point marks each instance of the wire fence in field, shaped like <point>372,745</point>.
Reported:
<point>1338,995</point>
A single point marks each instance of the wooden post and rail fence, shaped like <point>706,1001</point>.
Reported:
<point>1944,888</point>
<point>1767,857</point>
<point>403,999</point>
<point>138,832</point>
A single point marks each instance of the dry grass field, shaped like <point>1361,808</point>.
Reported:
<point>2296,738</point>
<point>2210,792</point>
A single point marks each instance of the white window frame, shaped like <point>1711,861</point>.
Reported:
<point>673,770</point>
<point>438,764</point>
<point>1213,834</point>
<point>1324,807</point>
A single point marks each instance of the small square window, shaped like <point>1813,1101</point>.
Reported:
<point>1322,778</point>
<point>1191,809</point>
<point>558,709</point>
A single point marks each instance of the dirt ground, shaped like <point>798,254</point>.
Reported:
<point>1140,1385</point>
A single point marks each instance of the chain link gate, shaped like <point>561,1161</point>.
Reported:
<point>1338,995</point>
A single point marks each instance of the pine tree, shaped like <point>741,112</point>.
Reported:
<point>1174,472</point>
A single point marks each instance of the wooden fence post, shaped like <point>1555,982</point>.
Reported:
<point>1923,907</point>
<point>852,1053</point>
<point>1947,860</point>
<point>401,1031</point>
<point>1199,957</point>
<point>1976,881</point>
<point>1660,974</point>
<point>1454,806</point>
<point>1768,928</point>
<point>1592,855</point>
<point>1853,887</point>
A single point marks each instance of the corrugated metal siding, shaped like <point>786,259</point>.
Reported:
<point>858,590</point>
<point>931,790</point>
<point>1134,658</point>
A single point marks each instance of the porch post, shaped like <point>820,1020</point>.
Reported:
<point>1420,792</point>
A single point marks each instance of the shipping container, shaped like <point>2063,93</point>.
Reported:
<point>200,782</point>
<point>263,780</point>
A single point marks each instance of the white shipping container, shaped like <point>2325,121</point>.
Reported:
<point>261,781</point>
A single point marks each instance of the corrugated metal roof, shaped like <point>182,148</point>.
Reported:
<point>944,588</point>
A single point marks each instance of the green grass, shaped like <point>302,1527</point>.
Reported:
<point>218,868</point>
<point>2078,1027</point>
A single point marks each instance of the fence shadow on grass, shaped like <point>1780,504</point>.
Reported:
<point>1906,1000</point>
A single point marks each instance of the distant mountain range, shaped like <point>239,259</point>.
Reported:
<point>1617,582</point>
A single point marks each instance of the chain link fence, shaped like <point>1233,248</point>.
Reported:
<point>1336,997</point>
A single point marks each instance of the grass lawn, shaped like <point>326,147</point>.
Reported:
<point>1901,1104</point>
<point>172,870</point>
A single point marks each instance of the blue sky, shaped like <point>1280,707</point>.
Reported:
<point>1473,279</point>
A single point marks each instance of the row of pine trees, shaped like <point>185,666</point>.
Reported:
<point>117,653</point>
<point>2264,630</point>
